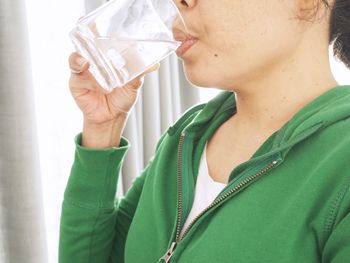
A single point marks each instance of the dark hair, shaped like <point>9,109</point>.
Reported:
<point>340,30</point>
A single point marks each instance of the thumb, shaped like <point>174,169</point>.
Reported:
<point>155,67</point>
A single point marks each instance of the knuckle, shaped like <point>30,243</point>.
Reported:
<point>73,58</point>
<point>76,82</point>
<point>84,77</point>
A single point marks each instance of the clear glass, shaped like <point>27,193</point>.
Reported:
<point>123,38</point>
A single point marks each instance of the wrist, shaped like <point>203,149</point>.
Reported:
<point>103,135</point>
<point>120,117</point>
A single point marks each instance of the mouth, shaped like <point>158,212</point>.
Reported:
<point>187,41</point>
<point>185,46</point>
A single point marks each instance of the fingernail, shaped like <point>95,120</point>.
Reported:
<point>81,61</point>
<point>157,66</point>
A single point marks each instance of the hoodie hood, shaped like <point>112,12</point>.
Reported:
<point>323,111</point>
<point>327,109</point>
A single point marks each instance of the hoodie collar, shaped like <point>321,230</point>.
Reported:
<point>225,100</point>
<point>326,109</point>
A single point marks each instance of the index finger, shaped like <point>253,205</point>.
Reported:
<point>77,63</point>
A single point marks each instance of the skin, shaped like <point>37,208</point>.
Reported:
<point>274,61</point>
<point>270,53</point>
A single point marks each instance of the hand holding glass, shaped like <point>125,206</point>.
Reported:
<point>123,38</point>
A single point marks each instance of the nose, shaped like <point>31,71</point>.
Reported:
<point>183,4</point>
<point>179,20</point>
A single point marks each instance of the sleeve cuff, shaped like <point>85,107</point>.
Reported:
<point>94,175</point>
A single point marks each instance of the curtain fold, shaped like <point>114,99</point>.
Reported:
<point>22,228</point>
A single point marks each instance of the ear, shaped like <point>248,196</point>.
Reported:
<point>307,9</point>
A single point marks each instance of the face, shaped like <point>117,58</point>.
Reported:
<point>237,40</point>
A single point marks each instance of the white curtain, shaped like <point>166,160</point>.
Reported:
<point>22,227</point>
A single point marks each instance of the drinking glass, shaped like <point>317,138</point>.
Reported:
<point>123,38</point>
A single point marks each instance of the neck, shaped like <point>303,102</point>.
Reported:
<point>272,98</point>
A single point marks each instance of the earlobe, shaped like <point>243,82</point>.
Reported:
<point>307,9</point>
<point>307,4</point>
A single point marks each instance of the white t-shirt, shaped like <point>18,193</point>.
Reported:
<point>205,192</point>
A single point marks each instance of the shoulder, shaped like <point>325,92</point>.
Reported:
<point>181,122</point>
<point>185,118</point>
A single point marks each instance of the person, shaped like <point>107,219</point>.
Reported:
<point>260,173</point>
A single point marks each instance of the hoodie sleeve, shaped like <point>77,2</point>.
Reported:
<point>94,223</point>
<point>337,247</point>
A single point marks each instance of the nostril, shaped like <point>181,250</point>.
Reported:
<point>184,2</point>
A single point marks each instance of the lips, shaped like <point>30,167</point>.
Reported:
<point>179,35</point>
<point>187,41</point>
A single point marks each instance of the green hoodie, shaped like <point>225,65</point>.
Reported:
<point>289,203</point>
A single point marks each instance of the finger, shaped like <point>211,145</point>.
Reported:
<point>135,83</point>
<point>93,28</point>
<point>153,68</point>
<point>78,81</point>
<point>77,63</point>
<point>83,80</point>
<point>82,71</point>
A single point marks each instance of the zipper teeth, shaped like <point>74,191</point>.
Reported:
<point>233,190</point>
<point>179,191</point>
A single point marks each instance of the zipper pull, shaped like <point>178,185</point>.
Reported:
<point>169,253</point>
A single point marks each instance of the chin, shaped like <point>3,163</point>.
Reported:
<point>196,76</point>
<point>197,79</point>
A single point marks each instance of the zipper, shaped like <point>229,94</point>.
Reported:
<point>229,193</point>
<point>166,257</point>
<point>179,189</point>
<point>169,253</point>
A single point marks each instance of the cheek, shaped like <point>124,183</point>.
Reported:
<point>255,42</point>
<point>216,25</point>
<point>235,44</point>
<point>247,26</point>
